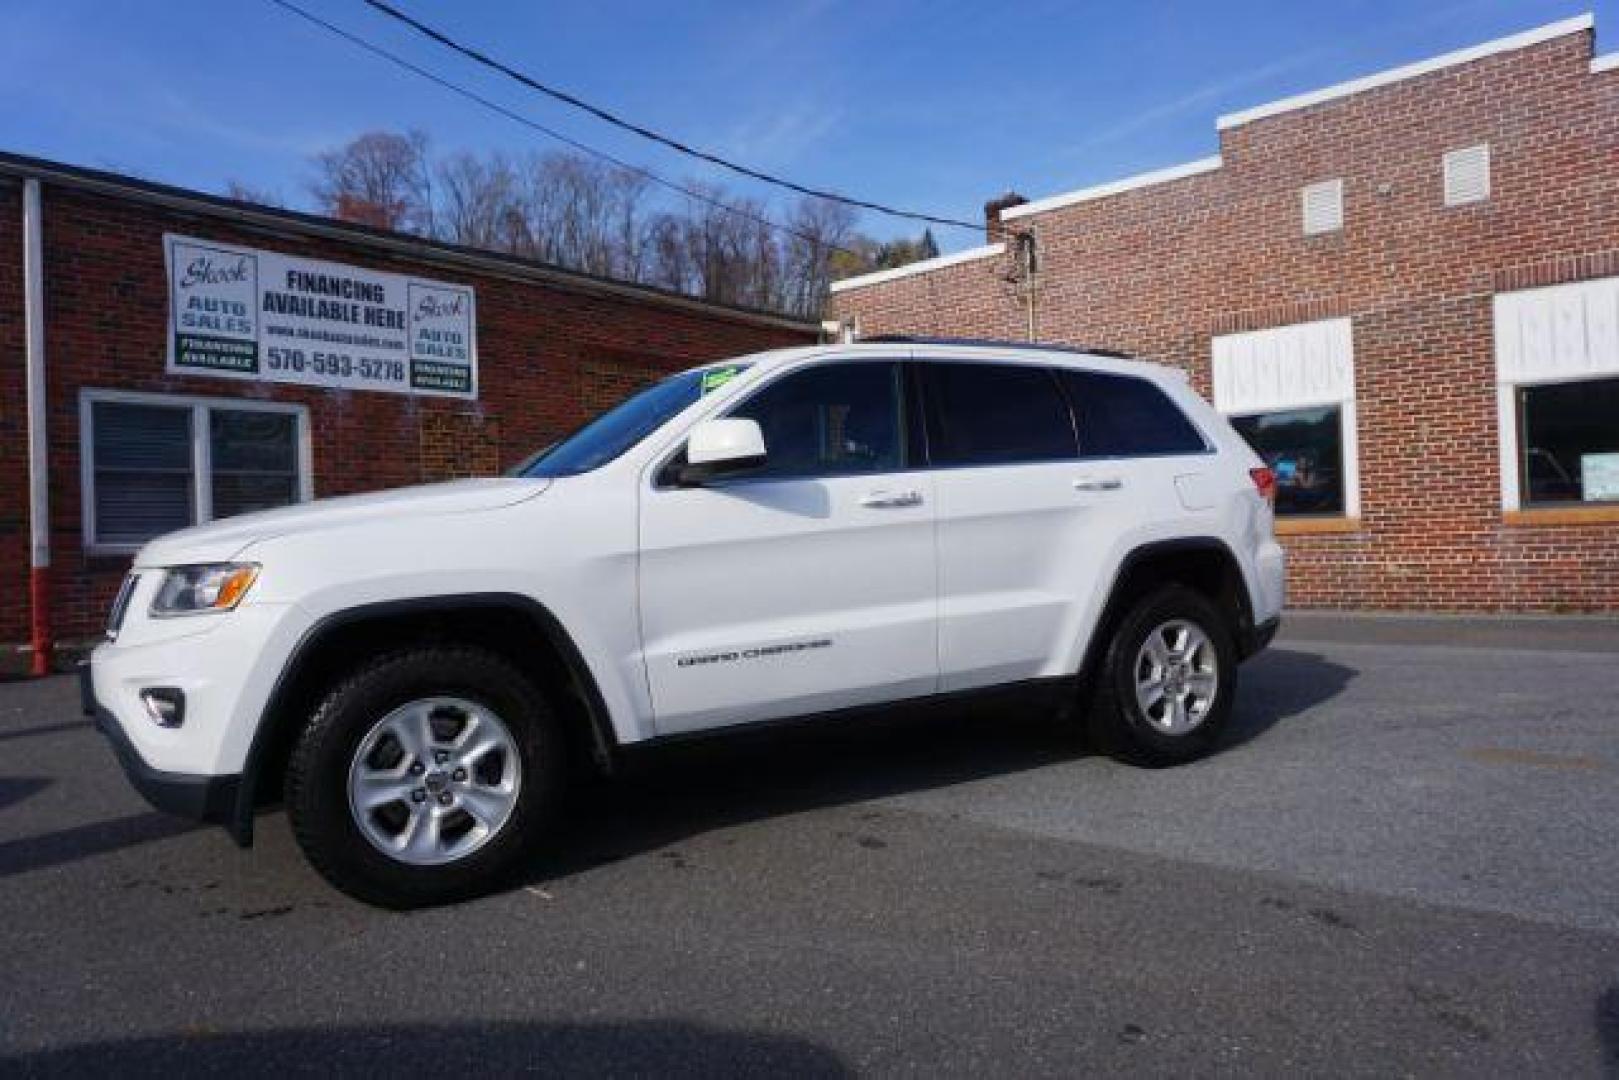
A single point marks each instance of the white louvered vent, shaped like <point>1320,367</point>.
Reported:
<point>1467,175</point>
<point>1323,207</point>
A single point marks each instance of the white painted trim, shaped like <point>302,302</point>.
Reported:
<point>1350,420</point>
<point>36,392</point>
<point>1605,63</point>
<point>1558,333</point>
<point>201,451</point>
<point>923,267</point>
<point>1115,187</point>
<point>1409,71</point>
<point>202,465</point>
<point>1506,421</point>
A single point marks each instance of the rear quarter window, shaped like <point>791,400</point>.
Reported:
<point>1127,416</point>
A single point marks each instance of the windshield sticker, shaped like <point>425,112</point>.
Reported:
<point>713,380</point>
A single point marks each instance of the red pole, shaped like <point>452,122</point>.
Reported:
<point>39,599</point>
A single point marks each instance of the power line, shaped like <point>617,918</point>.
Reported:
<point>471,95</point>
<point>647,133</point>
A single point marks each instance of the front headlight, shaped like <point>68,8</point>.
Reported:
<point>190,590</point>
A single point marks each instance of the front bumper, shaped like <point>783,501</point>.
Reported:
<point>1261,637</point>
<point>201,798</point>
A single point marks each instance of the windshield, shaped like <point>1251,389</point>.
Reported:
<point>626,423</point>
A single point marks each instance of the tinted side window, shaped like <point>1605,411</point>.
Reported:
<point>841,418</point>
<point>1123,416</point>
<point>993,414</point>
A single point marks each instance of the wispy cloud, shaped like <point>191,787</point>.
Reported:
<point>1206,96</point>
<point>176,112</point>
<point>775,30</point>
<point>1196,99</point>
<point>783,135</point>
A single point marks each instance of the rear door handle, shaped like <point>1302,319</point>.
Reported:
<point>1092,483</point>
<point>887,500</point>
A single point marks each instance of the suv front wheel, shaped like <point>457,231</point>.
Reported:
<point>425,776</point>
<point>1167,680</point>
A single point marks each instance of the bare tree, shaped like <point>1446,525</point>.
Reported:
<point>820,230</point>
<point>242,192</point>
<point>601,219</point>
<point>480,203</point>
<point>730,252</point>
<point>379,178</point>
<point>586,215</point>
<point>669,263</point>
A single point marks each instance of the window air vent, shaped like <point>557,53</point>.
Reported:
<point>1467,175</point>
<point>1323,207</point>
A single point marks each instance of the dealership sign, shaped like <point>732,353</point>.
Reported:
<point>250,314</point>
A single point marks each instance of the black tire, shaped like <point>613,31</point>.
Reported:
<point>1117,723</point>
<point>317,775</point>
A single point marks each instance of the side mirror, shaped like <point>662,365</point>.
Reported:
<point>720,447</point>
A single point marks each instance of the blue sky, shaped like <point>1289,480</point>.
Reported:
<point>935,105</point>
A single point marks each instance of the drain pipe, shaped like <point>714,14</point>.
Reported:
<point>39,525</point>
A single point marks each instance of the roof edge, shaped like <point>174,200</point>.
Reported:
<point>1510,43</point>
<point>1114,187</point>
<point>438,252</point>
<point>1605,63</point>
<point>939,263</point>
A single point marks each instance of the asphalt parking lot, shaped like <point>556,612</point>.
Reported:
<point>1406,860</point>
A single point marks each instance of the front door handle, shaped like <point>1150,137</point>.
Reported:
<point>1092,483</point>
<point>887,500</point>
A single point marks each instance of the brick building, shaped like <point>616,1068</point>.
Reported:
<point>153,418</point>
<point>1404,290</point>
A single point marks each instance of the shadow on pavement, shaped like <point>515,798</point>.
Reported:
<point>1607,1020</point>
<point>686,789</point>
<point>14,789</point>
<point>46,729</point>
<point>85,841</point>
<point>639,1048</point>
<point>1279,683</point>
<point>683,790</point>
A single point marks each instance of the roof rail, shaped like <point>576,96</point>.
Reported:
<point>1000,343</point>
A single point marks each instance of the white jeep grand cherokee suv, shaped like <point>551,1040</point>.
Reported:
<point>796,533</point>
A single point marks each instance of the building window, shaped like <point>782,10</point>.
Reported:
<point>1323,207</point>
<point>1467,175</point>
<point>1568,438</point>
<point>254,455</point>
<point>154,463</point>
<point>1290,392</point>
<point>1304,448</point>
<point>1557,381</point>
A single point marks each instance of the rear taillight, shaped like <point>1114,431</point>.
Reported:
<point>1265,483</point>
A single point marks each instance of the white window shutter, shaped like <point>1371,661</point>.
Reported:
<point>1467,175</point>
<point>1323,207</point>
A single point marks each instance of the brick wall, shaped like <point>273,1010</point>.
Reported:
<point>1160,270</point>
<point>548,357</point>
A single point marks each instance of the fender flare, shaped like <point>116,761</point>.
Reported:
<point>1246,633</point>
<point>604,740</point>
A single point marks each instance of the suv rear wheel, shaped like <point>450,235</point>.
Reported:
<point>425,777</point>
<point>1167,680</point>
